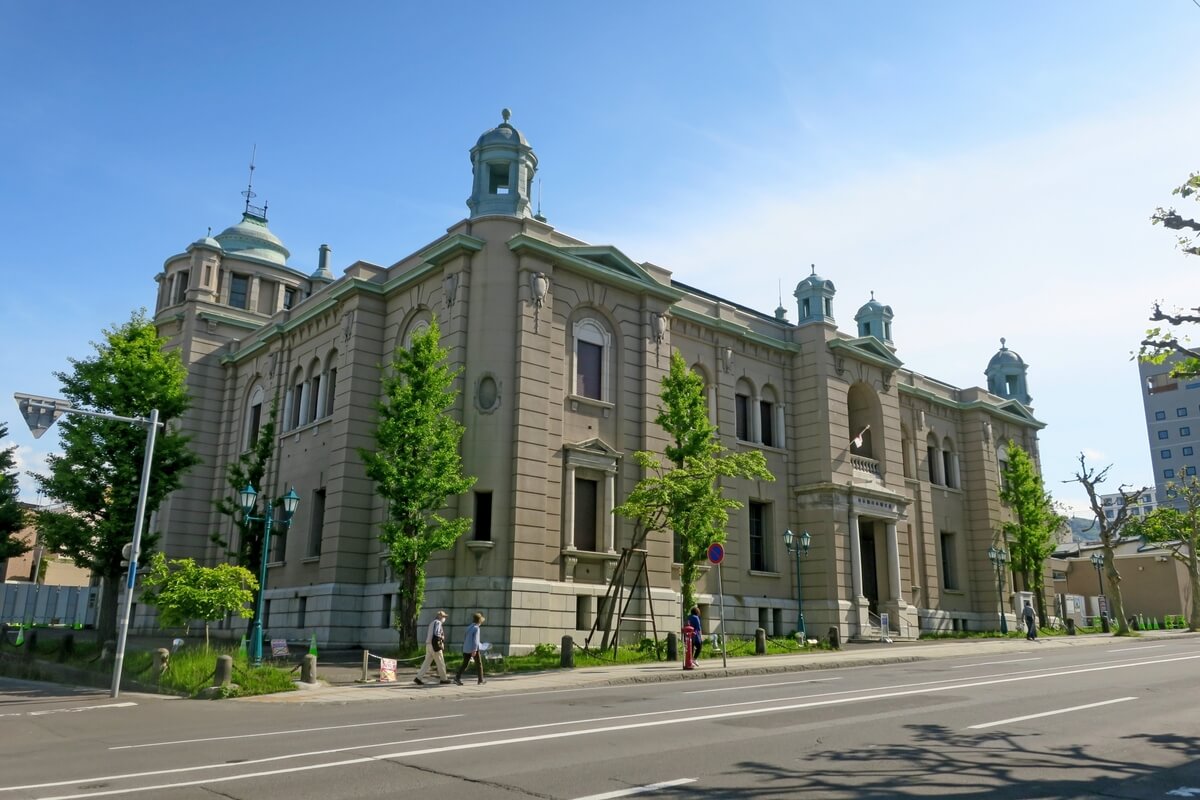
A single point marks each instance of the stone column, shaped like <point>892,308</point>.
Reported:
<point>856,580</point>
<point>610,493</point>
<point>780,438</point>
<point>756,418</point>
<point>569,509</point>
<point>893,551</point>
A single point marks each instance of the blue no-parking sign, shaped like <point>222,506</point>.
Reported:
<point>716,552</point>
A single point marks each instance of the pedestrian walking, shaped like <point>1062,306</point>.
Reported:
<point>435,643</point>
<point>1030,622</point>
<point>472,649</point>
<point>697,633</point>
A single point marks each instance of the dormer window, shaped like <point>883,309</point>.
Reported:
<point>498,178</point>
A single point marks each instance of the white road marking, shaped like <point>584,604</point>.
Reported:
<point>282,733</point>
<point>1049,713</point>
<point>993,663</point>
<point>760,686</point>
<point>1139,647</point>
<point>677,719</point>
<point>652,787</point>
<point>72,710</point>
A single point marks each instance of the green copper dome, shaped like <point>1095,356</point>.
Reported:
<point>251,237</point>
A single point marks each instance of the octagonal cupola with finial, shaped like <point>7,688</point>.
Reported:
<point>814,299</point>
<point>875,319</point>
<point>1006,375</point>
<point>503,165</point>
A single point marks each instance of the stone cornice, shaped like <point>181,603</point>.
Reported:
<point>733,329</point>
<point>974,405</point>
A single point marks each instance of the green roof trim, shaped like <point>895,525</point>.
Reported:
<point>639,281</point>
<point>224,319</point>
<point>1010,409</point>
<point>868,349</point>
<point>733,329</point>
<point>445,249</point>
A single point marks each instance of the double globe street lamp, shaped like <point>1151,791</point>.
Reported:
<point>291,501</point>
<point>999,558</point>
<point>798,546</point>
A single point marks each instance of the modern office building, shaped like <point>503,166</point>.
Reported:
<point>563,346</point>
<point>1172,414</point>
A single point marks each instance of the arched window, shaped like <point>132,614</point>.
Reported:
<point>295,399</point>
<point>743,411</point>
<point>254,411</point>
<point>770,417</point>
<point>709,398</point>
<point>591,347</point>
<point>330,381</point>
<point>950,464</point>
<point>418,327</point>
<point>934,456</point>
<point>313,405</point>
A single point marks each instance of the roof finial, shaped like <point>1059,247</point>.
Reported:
<point>814,268</point>
<point>781,292</point>
<point>506,113</point>
<point>249,193</point>
<point>1002,340</point>
<point>872,294</point>
<point>210,230</point>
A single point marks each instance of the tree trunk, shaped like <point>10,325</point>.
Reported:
<point>1116,605</point>
<point>1194,579</point>
<point>409,606</point>
<point>106,616</point>
<point>687,585</point>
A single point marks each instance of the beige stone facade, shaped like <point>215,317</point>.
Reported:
<point>563,346</point>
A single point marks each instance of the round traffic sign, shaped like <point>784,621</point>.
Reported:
<point>716,552</point>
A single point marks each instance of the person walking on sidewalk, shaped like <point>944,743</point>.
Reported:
<point>435,643</point>
<point>1030,622</point>
<point>697,634</point>
<point>472,648</point>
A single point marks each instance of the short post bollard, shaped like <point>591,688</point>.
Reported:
<point>67,647</point>
<point>366,665</point>
<point>672,646</point>
<point>162,659</point>
<point>308,669</point>
<point>1070,626</point>
<point>835,639</point>
<point>31,644</point>
<point>566,655</point>
<point>760,642</point>
<point>688,657</point>
<point>224,672</point>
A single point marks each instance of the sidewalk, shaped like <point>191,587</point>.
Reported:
<point>338,681</point>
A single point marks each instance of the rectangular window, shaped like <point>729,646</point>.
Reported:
<point>586,492</point>
<point>866,329</point>
<point>948,468</point>
<point>301,612</point>
<point>255,424</point>
<point>1168,473</point>
<point>181,286</point>
<point>239,291</point>
<point>385,611</point>
<point>289,297</point>
<point>316,525</point>
<point>297,401</point>
<point>1187,451</point>
<point>1185,431</point>
<point>1189,471</point>
<point>758,536</point>
<point>1164,453</point>
<point>279,543</point>
<point>1145,498</point>
<point>330,385</point>
<point>1163,434</point>
<point>1160,415</point>
<point>949,562</point>
<point>741,407</point>
<point>266,614</point>
<point>1181,412</point>
<point>483,516</point>
<point>766,417</point>
<point>313,404</point>
<point>805,309</point>
<point>589,360</point>
<point>932,458</point>
<point>1110,513</point>
<point>498,178</point>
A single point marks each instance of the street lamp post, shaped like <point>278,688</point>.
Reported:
<point>1098,563</point>
<point>42,412</point>
<point>999,558</point>
<point>798,546</point>
<point>249,497</point>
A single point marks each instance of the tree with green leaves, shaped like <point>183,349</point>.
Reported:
<point>12,516</point>
<point>96,477</point>
<point>684,493</point>
<point>183,591</point>
<point>250,469</point>
<point>417,465</point>
<point>1177,529</point>
<point>1111,531</point>
<point>1030,534</point>
<point>1164,341</point>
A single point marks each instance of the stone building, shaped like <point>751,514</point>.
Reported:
<point>563,345</point>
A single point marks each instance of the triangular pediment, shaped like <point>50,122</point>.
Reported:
<point>611,258</point>
<point>868,349</point>
<point>593,446</point>
<point>1016,408</point>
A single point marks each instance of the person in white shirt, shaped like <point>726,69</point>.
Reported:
<point>435,643</point>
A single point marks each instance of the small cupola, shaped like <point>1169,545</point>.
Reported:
<point>1006,375</point>
<point>814,299</point>
<point>875,319</point>
<point>503,164</point>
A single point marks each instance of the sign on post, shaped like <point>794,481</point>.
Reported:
<point>884,626</point>
<point>716,553</point>
<point>279,648</point>
<point>387,670</point>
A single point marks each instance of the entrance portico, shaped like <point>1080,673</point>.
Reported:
<point>871,596</point>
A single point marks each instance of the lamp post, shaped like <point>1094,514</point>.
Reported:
<point>291,502</point>
<point>42,412</point>
<point>999,558</point>
<point>1098,563</point>
<point>798,546</point>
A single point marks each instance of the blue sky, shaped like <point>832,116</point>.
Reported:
<point>987,168</point>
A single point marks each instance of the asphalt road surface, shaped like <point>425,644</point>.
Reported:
<point>1017,721</point>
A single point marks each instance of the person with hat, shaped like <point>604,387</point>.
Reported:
<point>435,643</point>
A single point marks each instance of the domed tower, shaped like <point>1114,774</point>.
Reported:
<point>875,319</point>
<point>1006,375</point>
<point>504,165</point>
<point>814,299</point>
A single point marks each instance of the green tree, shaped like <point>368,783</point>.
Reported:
<point>1030,535</point>
<point>684,493</point>
<point>98,473</point>
<point>12,516</point>
<point>1164,341</point>
<point>417,465</point>
<point>1111,531</point>
<point>1177,530</point>
<point>250,469</point>
<point>183,591</point>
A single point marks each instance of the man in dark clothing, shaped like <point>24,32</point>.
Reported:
<point>697,634</point>
<point>1030,625</point>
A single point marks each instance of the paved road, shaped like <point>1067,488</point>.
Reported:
<point>1005,719</point>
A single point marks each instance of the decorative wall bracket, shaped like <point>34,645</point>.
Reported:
<point>839,366</point>
<point>887,379</point>
<point>479,549</point>
<point>727,358</point>
<point>450,288</point>
<point>539,287</point>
